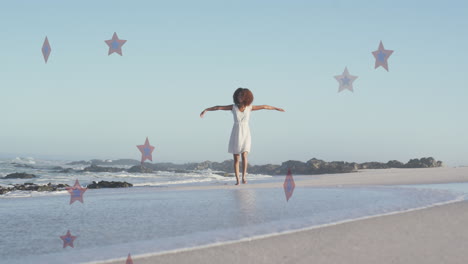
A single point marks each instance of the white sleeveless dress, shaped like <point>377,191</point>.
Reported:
<point>240,135</point>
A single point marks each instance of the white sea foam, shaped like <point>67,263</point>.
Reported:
<point>27,160</point>
<point>30,194</point>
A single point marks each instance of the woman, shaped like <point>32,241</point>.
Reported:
<point>239,143</point>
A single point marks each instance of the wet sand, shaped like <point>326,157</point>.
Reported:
<point>433,235</point>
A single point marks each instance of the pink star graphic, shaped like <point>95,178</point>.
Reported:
<point>115,44</point>
<point>146,151</point>
<point>46,50</point>
<point>68,239</point>
<point>381,56</point>
<point>346,80</point>
<point>76,192</point>
<point>129,259</point>
<point>289,185</point>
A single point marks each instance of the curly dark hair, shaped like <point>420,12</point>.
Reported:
<point>246,96</point>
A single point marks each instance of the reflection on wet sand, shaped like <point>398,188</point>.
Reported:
<point>245,200</point>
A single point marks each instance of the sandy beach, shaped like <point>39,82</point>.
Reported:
<point>433,235</point>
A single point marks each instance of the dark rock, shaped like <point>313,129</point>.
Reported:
<point>95,168</point>
<point>373,165</point>
<point>28,186</point>
<point>321,167</point>
<point>269,169</point>
<point>395,164</point>
<point>46,188</point>
<point>297,167</point>
<point>62,186</point>
<point>312,166</point>
<point>107,184</point>
<point>423,163</point>
<point>205,165</point>
<point>19,175</point>
<point>167,166</point>
<point>4,190</point>
<point>140,169</point>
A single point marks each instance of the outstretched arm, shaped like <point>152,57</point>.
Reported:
<point>215,108</point>
<point>267,107</point>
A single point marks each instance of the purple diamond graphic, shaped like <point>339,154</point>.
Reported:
<point>289,185</point>
<point>46,50</point>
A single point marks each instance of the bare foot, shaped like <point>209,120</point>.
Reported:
<point>237,183</point>
<point>244,181</point>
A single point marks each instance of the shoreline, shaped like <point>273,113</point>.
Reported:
<point>152,256</point>
<point>369,177</point>
<point>366,235</point>
<point>407,237</point>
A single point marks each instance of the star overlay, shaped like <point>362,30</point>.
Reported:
<point>76,192</point>
<point>381,56</point>
<point>346,80</point>
<point>68,239</point>
<point>146,151</point>
<point>115,44</point>
<point>129,259</point>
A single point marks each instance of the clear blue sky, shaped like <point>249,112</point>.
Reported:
<point>183,56</point>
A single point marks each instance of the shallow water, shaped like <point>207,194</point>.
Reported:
<point>114,222</point>
<point>460,187</point>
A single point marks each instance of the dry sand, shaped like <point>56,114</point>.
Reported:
<point>434,235</point>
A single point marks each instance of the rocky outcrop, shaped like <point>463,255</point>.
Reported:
<point>107,184</point>
<point>316,166</point>
<point>33,187</point>
<point>20,175</point>
<point>4,190</point>
<point>95,168</point>
<point>216,166</point>
<point>312,166</point>
<point>140,169</point>
<point>423,163</point>
<point>57,187</point>
<point>395,164</point>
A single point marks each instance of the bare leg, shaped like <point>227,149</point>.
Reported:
<point>236,167</point>
<point>244,166</point>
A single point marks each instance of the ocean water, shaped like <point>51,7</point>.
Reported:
<point>149,219</point>
<point>46,173</point>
